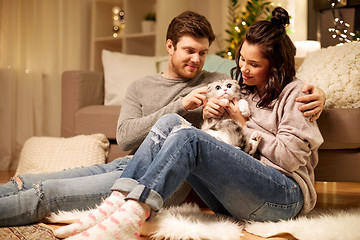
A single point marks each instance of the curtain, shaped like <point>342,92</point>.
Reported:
<point>39,40</point>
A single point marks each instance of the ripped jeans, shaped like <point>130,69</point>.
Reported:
<point>33,197</point>
<point>229,181</point>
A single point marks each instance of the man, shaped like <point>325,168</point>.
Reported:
<point>180,89</point>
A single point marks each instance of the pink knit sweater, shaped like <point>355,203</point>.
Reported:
<point>289,140</point>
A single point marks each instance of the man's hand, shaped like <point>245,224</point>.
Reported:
<point>313,102</point>
<point>194,99</point>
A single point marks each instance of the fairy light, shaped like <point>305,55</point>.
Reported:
<point>340,29</point>
<point>118,20</point>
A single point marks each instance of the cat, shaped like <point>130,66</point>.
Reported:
<point>226,129</point>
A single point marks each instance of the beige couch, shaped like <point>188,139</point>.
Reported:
<point>83,112</point>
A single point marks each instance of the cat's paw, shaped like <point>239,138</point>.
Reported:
<point>244,108</point>
<point>255,137</point>
<point>254,141</point>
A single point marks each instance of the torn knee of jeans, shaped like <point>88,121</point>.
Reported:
<point>39,190</point>
<point>155,138</point>
<point>18,181</point>
<point>157,135</point>
<point>183,125</point>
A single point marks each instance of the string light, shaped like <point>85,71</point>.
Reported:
<point>118,20</point>
<point>340,29</point>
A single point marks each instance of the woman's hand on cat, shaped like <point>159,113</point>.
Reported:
<point>214,108</point>
<point>313,101</point>
<point>194,99</point>
<point>234,112</point>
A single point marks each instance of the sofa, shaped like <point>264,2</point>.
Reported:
<point>84,112</point>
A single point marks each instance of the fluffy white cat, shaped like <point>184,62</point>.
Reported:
<point>226,129</point>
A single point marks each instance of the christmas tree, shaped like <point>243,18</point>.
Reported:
<point>239,22</point>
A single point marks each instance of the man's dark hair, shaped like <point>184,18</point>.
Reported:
<point>189,23</point>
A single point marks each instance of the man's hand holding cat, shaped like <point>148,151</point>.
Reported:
<point>194,99</point>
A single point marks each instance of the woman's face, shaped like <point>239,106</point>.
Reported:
<point>254,67</point>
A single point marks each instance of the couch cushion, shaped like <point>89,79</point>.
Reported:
<point>340,128</point>
<point>50,154</point>
<point>97,119</point>
<point>120,70</point>
<point>215,63</point>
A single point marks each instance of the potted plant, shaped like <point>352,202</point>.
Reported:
<point>148,24</point>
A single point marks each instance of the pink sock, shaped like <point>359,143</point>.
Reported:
<point>124,223</point>
<point>108,207</point>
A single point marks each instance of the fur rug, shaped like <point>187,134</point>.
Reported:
<point>319,225</point>
<point>189,222</point>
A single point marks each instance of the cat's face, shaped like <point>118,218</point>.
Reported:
<point>224,89</point>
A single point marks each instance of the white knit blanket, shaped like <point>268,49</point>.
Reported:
<point>49,154</point>
<point>336,71</point>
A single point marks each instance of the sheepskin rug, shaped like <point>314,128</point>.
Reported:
<point>336,71</point>
<point>317,225</point>
<point>189,222</point>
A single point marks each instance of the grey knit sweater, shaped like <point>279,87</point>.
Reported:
<point>149,98</point>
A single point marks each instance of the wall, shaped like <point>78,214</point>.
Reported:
<point>214,10</point>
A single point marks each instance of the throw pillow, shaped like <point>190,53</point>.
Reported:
<point>50,154</point>
<point>120,70</point>
<point>336,71</point>
<point>215,63</point>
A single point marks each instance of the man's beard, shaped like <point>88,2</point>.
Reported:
<point>181,71</point>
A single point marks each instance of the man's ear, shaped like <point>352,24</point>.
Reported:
<point>169,46</point>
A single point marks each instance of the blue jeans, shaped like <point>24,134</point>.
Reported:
<point>229,181</point>
<point>40,194</point>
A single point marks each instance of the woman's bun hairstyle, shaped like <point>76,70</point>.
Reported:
<point>277,47</point>
<point>280,17</point>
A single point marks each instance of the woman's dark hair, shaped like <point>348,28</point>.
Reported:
<point>277,47</point>
<point>189,23</point>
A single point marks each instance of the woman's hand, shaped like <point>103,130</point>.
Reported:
<point>313,102</point>
<point>234,112</point>
<point>214,108</point>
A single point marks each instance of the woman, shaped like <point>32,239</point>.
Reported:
<point>279,186</point>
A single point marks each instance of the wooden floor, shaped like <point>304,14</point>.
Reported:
<point>334,195</point>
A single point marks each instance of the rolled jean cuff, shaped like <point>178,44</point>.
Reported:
<point>124,185</point>
<point>138,192</point>
<point>146,195</point>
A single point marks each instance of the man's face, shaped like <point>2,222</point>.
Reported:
<point>187,60</point>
